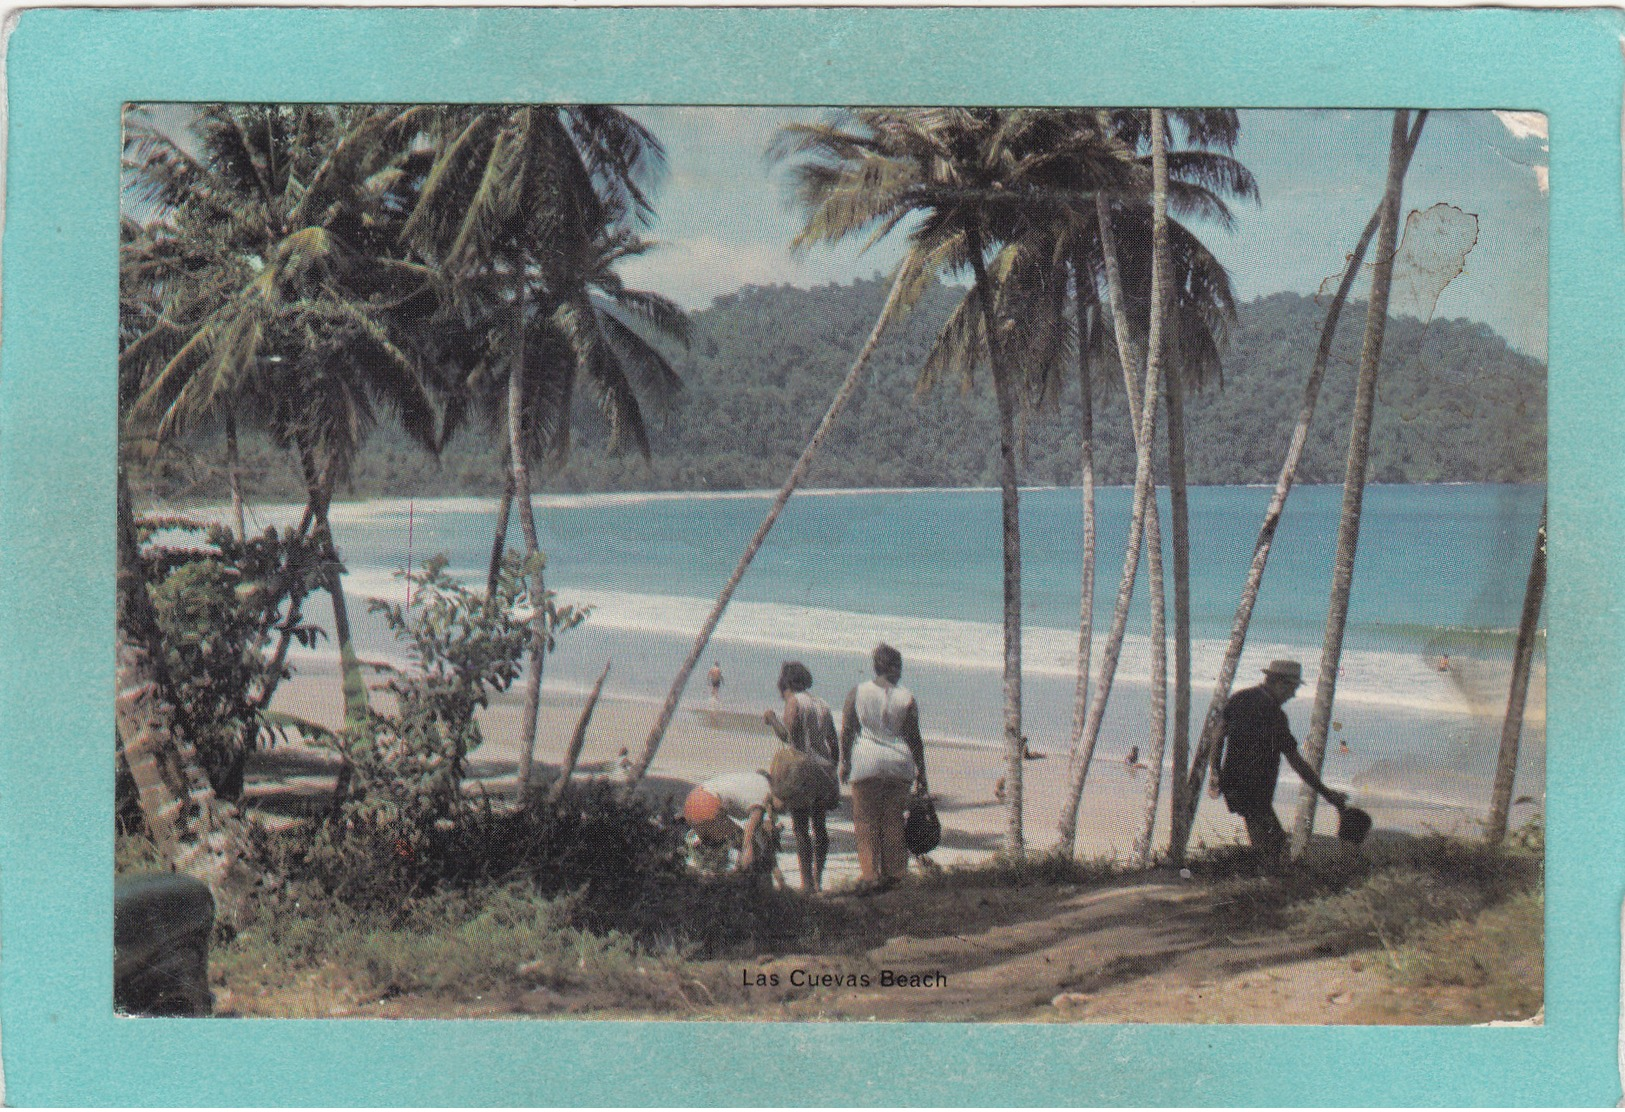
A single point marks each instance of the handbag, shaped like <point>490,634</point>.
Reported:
<point>922,830</point>
<point>801,782</point>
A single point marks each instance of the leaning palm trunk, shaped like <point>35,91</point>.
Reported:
<point>1506,765</point>
<point>1214,721</point>
<point>1348,529</point>
<point>1180,524</point>
<point>527,522</point>
<point>668,709</point>
<point>1153,368</point>
<point>192,831</point>
<point>578,739</point>
<point>353,685</point>
<point>1010,502</point>
<point>1129,356</point>
<point>1086,452</point>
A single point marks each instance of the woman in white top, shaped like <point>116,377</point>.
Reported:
<point>882,755</point>
<point>808,727</point>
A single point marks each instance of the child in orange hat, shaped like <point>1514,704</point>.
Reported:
<point>714,811</point>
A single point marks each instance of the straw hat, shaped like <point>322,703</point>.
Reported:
<point>1286,669</point>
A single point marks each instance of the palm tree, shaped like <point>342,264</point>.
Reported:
<point>1272,517</point>
<point>1401,142</point>
<point>281,294</point>
<point>1506,765</point>
<point>1196,319</point>
<point>513,195</point>
<point>195,834</point>
<point>967,179</point>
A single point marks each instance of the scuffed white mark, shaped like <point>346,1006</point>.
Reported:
<point>1531,125</point>
<point>1524,125</point>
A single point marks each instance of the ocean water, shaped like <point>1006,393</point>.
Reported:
<point>1441,569</point>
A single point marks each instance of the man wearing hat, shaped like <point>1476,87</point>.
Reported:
<point>1247,760</point>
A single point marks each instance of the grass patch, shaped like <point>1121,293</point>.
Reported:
<point>1054,868</point>
<point>1497,956</point>
<point>137,853</point>
<point>1379,898</point>
<point>506,942</point>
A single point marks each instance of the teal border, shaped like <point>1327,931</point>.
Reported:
<point>69,72</point>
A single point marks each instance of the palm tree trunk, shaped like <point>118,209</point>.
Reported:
<point>499,541</point>
<point>578,739</point>
<point>668,709</point>
<point>1348,529</point>
<point>319,493</point>
<point>1506,765</point>
<point>1130,357</point>
<point>234,474</point>
<point>1086,452</point>
<point>1180,519</point>
<point>1213,723</point>
<point>193,832</point>
<point>527,523</point>
<point>1010,502</point>
<point>353,685</point>
<point>1153,368</point>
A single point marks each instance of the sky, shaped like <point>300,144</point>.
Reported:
<point>725,219</point>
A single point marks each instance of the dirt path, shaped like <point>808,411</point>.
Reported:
<point>1143,953</point>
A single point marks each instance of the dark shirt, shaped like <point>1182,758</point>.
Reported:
<point>1256,734</point>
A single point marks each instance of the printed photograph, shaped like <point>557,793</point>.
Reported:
<point>1032,564</point>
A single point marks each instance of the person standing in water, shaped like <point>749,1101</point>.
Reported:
<point>808,727</point>
<point>714,678</point>
<point>882,753</point>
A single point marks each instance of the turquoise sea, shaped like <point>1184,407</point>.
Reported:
<point>1441,569</point>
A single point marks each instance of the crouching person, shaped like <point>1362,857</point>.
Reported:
<point>734,812</point>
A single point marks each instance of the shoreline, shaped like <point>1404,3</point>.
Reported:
<point>701,743</point>
<point>485,500</point>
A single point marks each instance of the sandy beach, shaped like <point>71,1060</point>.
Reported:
<point>704,742</point>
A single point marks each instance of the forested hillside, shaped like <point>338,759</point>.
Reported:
<point>1455,404</point>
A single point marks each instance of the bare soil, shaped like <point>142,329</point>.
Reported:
<point>1149,951</point>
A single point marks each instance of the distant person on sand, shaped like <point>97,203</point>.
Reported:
<point>881,754</point>
<point>623,764</point>
<point>1247,760</point>
<point>714,811</point>
<point>1444,663</point>
<point>714,678</point>
<point>808,727</point>
<point>1132,760</point>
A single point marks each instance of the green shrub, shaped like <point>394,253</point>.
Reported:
<point>218,607</point>
<point>407,767</point>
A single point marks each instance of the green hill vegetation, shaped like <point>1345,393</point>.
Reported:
<point>1456,404</point>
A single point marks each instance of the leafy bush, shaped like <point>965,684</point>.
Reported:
<point>218,608</point>
<point>408,766</point>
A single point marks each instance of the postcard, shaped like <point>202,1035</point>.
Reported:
<point>641,536</point>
